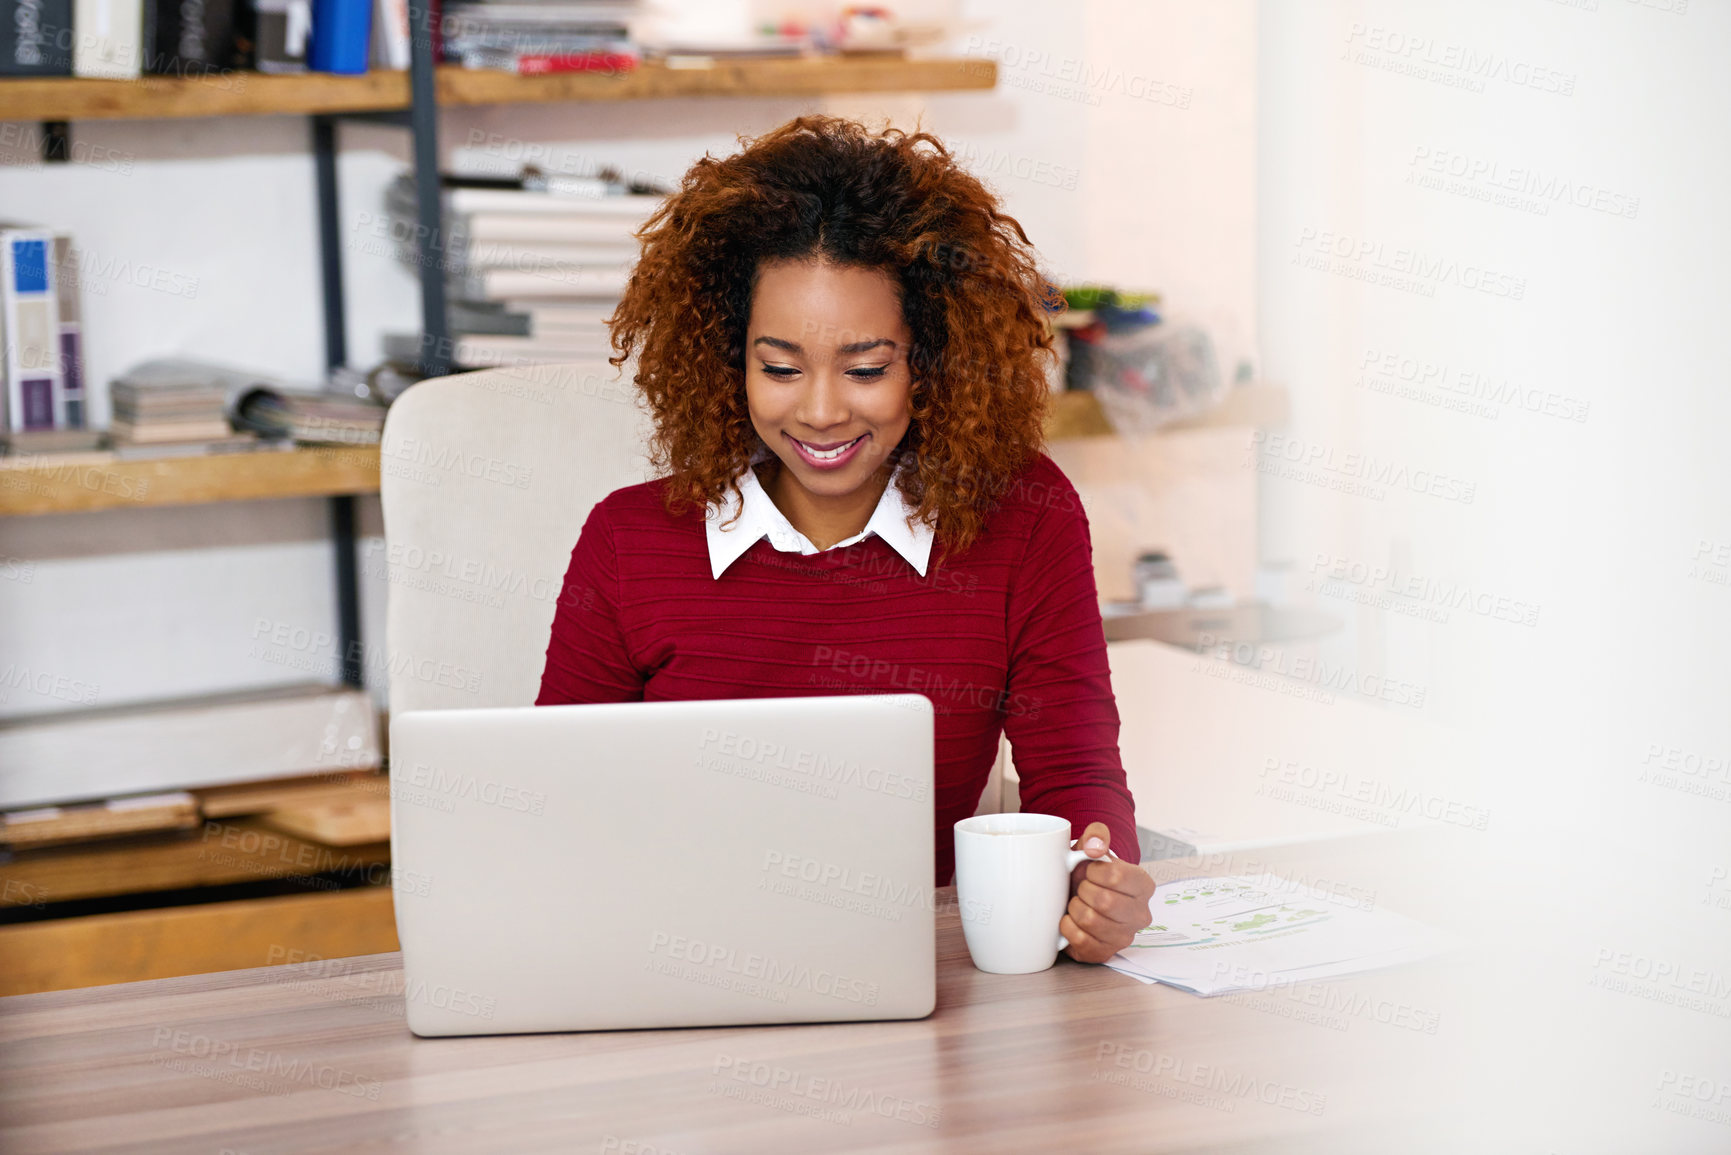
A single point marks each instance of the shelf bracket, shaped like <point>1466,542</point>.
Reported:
<point>56,142</point>
<point>395,117</point>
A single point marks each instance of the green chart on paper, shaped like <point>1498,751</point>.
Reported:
<point>1206,911</point>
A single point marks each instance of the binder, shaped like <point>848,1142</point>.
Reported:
<point>110,38</point>
<point>342,36</point>
<point>70,408</point>
<point>36,37</point>
<point>189,37</point>
<point>271,35</point>
<point>30,318</point>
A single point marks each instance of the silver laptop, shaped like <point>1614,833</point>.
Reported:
<point>664,864</point>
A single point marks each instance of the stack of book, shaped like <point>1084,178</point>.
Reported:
<point>534,266</point>
<point>170,418</point>
<point>311,418</point>
<point>540,36</point>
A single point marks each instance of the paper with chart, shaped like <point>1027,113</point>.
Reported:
<point>1215,935</point>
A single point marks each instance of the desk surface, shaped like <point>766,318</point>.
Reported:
<point>316,1057</point>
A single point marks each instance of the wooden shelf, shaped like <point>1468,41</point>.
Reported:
<point>39,485</point>
<point>233,94</point>
<point>1078,414</point>
<point>96,949</point>
<point>42,485</point>
<point>226,851</point>
<point>260,94</point>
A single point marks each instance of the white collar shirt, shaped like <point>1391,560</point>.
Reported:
<point>759,518</point>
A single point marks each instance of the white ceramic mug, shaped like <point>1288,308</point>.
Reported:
<point>1013,885</point>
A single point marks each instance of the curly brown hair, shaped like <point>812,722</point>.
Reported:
<point>826,188</point>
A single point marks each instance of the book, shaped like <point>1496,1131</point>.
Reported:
<point>486,352</point>
<point>233,443</point>
<point>36,37</point>
<point>564,229</point>
<point>534,263</point>
<point>189,37</point>
<point>271,35</point>
<point>579,198</point>
<point>548,59</point>
<point>50,441</point>
<point>540,64</point>
<point>41,322</point>
<point>529,255</point>
<point>615,17</point>
<point>496,284</point>
<point>123,432</point>
<point>505,30</point>
<point>30,328</point>
<point>310,417</point>
<point>110,38</point>
<point>544,315</point>
<point>486,317</point>
<point>158,386</point>
<point>71,410</point>
<point>559,202</point>
<point>153,409</point>
<point>255,403</point>
<point>391,35</point>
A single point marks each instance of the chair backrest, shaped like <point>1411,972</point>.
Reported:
<point>486,479</point>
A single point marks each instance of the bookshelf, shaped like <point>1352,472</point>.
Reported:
<point>149,927</point>
<point>311,93</point>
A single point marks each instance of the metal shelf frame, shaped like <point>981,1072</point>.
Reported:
<point>422,121</point>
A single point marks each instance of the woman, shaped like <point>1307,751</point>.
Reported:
<point>842,343</point>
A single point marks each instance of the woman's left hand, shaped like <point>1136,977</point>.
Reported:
<point>1108,901</point>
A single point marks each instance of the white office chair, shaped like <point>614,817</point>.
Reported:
<point>486,480</point>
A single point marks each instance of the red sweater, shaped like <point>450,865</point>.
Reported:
<point>1006,637</point>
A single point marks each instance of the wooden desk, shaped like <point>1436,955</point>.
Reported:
<point>296,1058</point>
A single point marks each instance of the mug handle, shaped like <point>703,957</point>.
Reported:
<point>1070,862</point>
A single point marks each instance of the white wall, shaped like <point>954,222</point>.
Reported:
<point>1120,136</point>
<point>1591,732</point>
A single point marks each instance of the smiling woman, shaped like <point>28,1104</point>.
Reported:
<point>832,409</point>
<point>964,285</point>
<point>842,343</point>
